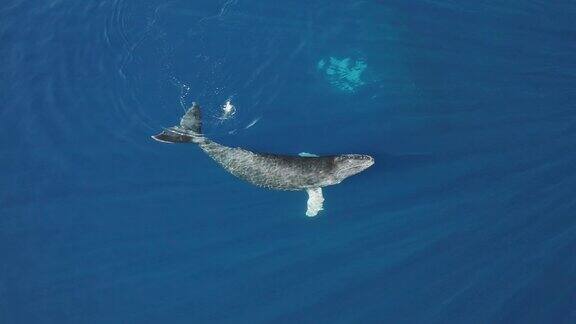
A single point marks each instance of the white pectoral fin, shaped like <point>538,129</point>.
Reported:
<point>315,201</point>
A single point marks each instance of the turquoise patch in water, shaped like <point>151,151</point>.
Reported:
<point>344,74</point>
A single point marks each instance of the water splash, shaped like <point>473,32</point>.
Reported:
<point>228,110</point>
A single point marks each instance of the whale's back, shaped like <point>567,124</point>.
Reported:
<point>273,171</point>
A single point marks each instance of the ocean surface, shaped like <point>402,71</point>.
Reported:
<point>467,216</point>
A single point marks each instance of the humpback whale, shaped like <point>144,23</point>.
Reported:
<point>282,172</point>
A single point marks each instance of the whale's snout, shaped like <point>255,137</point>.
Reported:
<point>351,164</point>
<point>360,160</point>
<point>367,160</point>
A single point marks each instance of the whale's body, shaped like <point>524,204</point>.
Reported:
<point>272,171</point>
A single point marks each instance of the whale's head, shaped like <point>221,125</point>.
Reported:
<point>350,164</point>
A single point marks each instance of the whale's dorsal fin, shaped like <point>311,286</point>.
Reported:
<point>315,201</point>
<point>304,154</point>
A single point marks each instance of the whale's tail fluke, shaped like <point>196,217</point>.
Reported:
<point>192,120</point>
<point>189,130</point>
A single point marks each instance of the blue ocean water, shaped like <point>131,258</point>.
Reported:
<point>466,217</point>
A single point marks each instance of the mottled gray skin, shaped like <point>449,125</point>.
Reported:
<point>274,171</point>
<point>282,172</point>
